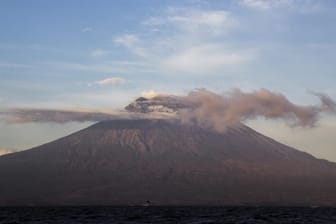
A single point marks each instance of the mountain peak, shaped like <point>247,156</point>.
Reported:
<point>161,104</point>
<point>164,161</point>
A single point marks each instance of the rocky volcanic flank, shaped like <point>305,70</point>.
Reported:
<point>127,162</point>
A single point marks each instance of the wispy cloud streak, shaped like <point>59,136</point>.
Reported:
<point>34,115</point>
<point>109,81</point>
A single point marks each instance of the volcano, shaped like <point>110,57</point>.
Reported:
<point>129,162</point>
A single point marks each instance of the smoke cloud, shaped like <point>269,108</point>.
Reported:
<point>328,104</point>
<point>209,109</point>
<point>200,107</point>
<point>59,116</point>
<point>23,115</point>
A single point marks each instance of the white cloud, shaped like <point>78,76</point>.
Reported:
<point>87,29</point>
<point>109,81</point>
<point>194,20</point>
<point>301,6</point>
<point>206,58</point>
<point>127,40</point>
<point>149,94</point>
<point>257,4</point>
<point>193,42</point>
<point>99,53</point>
<point>115,66</point>
<point>131,42</point>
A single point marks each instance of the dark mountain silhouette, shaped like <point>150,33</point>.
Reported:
<point>127,162</point>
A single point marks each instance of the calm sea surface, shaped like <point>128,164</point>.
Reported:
<point>167,215</point>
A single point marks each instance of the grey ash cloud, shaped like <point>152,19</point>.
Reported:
<point>206,108</point>
<point>24,115</point>
<point>28,115</point>
<point>200,107</point>
<point>328,104</point>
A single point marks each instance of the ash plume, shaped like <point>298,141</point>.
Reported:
<point>24,115</point>
<point>27,115</point>
<point>200,107</point>
<point>209,109</point>
<point>328,104</point>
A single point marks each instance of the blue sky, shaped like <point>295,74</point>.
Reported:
<point>102,54</point>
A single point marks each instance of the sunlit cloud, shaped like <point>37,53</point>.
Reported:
<point>150,94</point>
<point>5,151</point>
<point>206,58</point>
<point>109,81</point>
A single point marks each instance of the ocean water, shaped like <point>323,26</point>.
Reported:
<point>162,215</point>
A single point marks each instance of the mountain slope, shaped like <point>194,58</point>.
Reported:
<point>131,161</point>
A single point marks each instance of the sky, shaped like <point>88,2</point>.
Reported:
<point>101,55</point>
